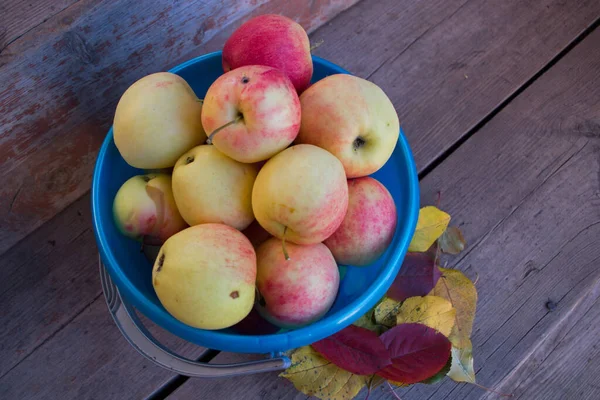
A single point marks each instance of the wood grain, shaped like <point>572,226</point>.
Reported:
<point>64,78</point>
<point>18,17</point>
<point>90,359</point>
<point>526,191</point>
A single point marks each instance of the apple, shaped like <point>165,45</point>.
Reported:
<point>301,194</point>
<point>297,291</point>
<point>369,225</point>
<point>144,209</point>
<point>208,186</point>
<point>157,119</point>
<point>275,41</point>
<point>251,113</point>
<point>205,276</point>
<point>353,119</point>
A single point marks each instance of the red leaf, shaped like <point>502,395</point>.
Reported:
<point>418,352</point>
<point>417,277</point>
<point>355,349</point>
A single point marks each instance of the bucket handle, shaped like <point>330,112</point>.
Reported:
<point>142,340</point>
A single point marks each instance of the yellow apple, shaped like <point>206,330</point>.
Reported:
<point>205,276</point>
<point>144,209</point>
<point>353,119</point>
<point>210,187</point>
<point>157,119</point>
<point>303,192</point>
<point>297,291</point>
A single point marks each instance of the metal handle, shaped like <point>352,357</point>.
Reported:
<point>142,340</point>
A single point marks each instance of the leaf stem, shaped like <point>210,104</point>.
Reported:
<point>285,253</point>
<point>219,129</point>
<point>492,390</point>
<point>392,390</point>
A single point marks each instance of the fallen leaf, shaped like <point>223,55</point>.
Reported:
<point>435,312</point>
<point>418,352</point>
<point>355,349</point>
<point>462,364</point>
<point>452,241</point>
<point>417,277</point>
<point>455,287</point>
<point>367,321</point>
<point>385,312</point>
<point>440,375</point>
<point>313,375</point>
<point>431,224</point>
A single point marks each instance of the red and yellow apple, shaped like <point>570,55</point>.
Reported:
<point>251,113</point>
<point>353,119</point>
<point>301,193</point>
<point>297,291</point>
<point>369,225</point>
<point>144,209</point>
<point>205,276</point>
<point>275,41</point>
<point>157,119</point>
<point>208,187</point>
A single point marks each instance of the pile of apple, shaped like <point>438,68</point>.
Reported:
<point>269,188</point>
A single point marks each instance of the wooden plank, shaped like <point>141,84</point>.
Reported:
<point>89,359</point>
<point>37,179</point>
<point>64,78</point>
<point>570,368</point>
<point>18,17</point>
<point>525,190</point>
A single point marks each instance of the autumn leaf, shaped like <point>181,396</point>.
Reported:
<point>418,352</point>
<point>455,287</point>
<point>462,364</point>
<point>355,349</point>
<point>417,277</point>
<point>313,375</point>
<point>440,375</point>
<point>385,312</point>
<point>367,321</point>
<point>435,312</point>
<point>431,224</point>
<point>452,241</point>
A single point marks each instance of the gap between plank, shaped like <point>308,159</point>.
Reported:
<point>448,152</point>
<point>175,382</point>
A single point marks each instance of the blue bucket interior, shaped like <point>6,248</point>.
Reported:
<point>360,287</point>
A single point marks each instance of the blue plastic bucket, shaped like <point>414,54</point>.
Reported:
<point>360,287</point>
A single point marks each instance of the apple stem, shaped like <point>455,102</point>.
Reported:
<point>219,129</point>
<point>285,253</point>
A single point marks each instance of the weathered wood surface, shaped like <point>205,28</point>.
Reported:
<point>526,191</point>
<point>18,17</point>
<point>419,39</point>
<point>92,50</point>
<point>57,338</point>
<point>62,80</point>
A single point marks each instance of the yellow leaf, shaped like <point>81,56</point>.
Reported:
<point>399,384</point>
<point>313,375</point>
<point>367,321</point>
<point>385,312</point>
<point>431,224</point>
<point>435,312</point>
<point>462,364</point>
<point>455,287</point>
